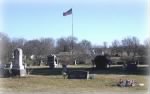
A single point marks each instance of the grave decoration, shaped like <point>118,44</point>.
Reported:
<point>127,83</point>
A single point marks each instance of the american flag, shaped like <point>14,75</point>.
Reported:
<point>69,12</point>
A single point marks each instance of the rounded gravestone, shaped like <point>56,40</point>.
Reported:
<point>101,62</point>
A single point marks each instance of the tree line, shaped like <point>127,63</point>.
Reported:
<point>45,46</point>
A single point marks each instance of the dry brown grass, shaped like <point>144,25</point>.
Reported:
<point>45,80</point>
<point>55,83</point>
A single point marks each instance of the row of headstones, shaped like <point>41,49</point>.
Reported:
<point>18,68</point>
<point>102,62</point>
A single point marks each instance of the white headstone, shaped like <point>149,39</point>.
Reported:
<point>103,53</point>
<point>18,67</point>
<point>18,58</point>
<point>75,62</point>
<point>32,57</point>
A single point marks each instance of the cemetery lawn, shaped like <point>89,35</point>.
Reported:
<point>55,83</point>
<point>42,79</point>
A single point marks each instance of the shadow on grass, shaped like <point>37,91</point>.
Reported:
<point>120,71</point>
<point>113,70</point>
<point>55,71</point>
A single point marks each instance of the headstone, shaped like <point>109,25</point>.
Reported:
<point>52,61</point>
<point>75,62</point>
<point>131,67</point>
<point>41,63</point>
<point>18,68</point>
<point>78,74</point>
<point>32,57</point>
<point>103,53</point>
<point>4,72</point>
<point>101,62</point>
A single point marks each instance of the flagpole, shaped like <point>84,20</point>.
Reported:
<point>65,14</point>
<point>72,35</point>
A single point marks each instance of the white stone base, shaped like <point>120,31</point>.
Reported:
<point>21,72</point>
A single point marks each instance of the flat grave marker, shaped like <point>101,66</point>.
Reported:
<point>79,74</point>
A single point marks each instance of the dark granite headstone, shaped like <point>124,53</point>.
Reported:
<point>4,72</point>
<point>52,61</point>
<point>101,62</point>
<point>131,67</point>
<point>78,74</point>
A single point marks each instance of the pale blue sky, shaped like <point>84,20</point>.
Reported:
<point>96,21</point>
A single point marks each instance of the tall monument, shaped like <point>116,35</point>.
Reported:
<point>18,67</point>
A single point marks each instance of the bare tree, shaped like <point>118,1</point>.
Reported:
<point>32,47</point>
<point>5,48</point>
<point>105,48</point>
<point>135,43</point>
<point>62,45</point>
<point>130,45</point>
<point>86,46</point>
<point>105,45</point>
<point>18,43</point>
<point>116,47</point>
<point>147,45</point>
<point>47,46</point>
<point>65,44</point>
<point>141,51</point>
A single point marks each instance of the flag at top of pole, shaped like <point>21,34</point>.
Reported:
<point>69,12</point>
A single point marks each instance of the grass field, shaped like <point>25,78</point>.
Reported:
<point>46,80</point>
